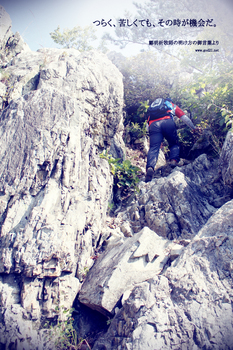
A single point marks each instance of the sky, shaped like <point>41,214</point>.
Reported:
<point>35,19</point>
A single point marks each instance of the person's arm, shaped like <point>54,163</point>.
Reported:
<point>187,121</point>
<point>181,115</point>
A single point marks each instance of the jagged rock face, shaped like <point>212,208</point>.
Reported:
<point>10,44</point>
<point>137,259</point>
<point>98,92</point>
<point>178,205</point>
<point>63,109</point>
<point>5,27</point>
<point>190,305</point>
<point>49,191</point>
<point>226,160</point>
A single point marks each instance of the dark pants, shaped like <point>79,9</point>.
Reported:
<point>157,131</point>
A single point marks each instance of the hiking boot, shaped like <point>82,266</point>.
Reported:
<point>173,163</point>
<point>149,174</point>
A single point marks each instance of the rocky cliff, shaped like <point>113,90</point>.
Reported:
<point>61,108</point>
<point>160,269</point>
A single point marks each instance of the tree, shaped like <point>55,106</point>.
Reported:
<point>78,37</point>
<point>165,20</point>
<point>152,13</point>
<point>209,98</point>
<point>146,76</point>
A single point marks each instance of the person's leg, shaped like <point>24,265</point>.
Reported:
<point>156,139</point>
<point>168,128</point>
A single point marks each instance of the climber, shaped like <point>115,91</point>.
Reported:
<point>160,124</point>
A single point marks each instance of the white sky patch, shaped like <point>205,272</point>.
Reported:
<point>34,19</point>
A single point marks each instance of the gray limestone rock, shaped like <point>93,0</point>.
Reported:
<point>89,79</point>
<point>5,27</point>
<point>226,160</point>
<point>178,205</point>
<point>139,258</point>
<point>63,109</point>
<point>187,307</point>
<point>10,44</point>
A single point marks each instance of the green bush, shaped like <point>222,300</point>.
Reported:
<point>63,333</point>
<point>210,99</point>
<point>125,174</point>
<point>77,37</point>
<point>146,76</point>
<point>135,131</point>
<point>135,124</point>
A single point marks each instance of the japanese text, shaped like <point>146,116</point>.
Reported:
<point>123,22</point>
<point>183,42</point>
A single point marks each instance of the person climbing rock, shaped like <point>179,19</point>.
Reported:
<point>161,125</point>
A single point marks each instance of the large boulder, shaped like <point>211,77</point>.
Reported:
<point>139,258</point>
<point>187,307</point>
<point>11,45</point>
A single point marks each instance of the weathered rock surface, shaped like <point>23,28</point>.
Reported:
<point>5,27</point>
<point>190,305</point>
<point>63,109</point>
<point>226,160</point>
<point>137,259</point>
<point>178,205</point>
<point>10,44</point>
<point>97,91</point>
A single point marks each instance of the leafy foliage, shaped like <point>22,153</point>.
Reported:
<point>146,76</point>
<point>154,11</point>
<point>135,131</point>
<point>135,124</point>
<point>64,334</point>
<point>210,99</point>
<point>78,37</point>
<point>209,59</point>
<point>125,174</point>
<point>143,108</point>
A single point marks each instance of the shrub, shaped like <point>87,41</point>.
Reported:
<point>210,99</point>
<point>64,334</point>
<point>135,131</point>
<point>135,124</point>
<point>125,174</point>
